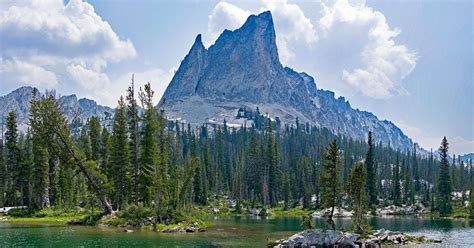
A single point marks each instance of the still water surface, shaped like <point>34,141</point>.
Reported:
<point>227,232</point>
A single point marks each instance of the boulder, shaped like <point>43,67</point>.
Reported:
<point>176,229</point>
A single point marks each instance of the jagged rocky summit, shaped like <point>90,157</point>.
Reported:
<point>242,69</point>
<point>75,109</point>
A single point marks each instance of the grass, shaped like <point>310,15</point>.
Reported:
<point>292,212</point>
<point>48,215</point>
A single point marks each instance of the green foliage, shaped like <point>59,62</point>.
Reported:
<point>307,222</point>
<point>330,179</point>
<point>356,192</point>
<point>444,181</point>
<point>371,184</point>
<point>135,214</point>
<point>120,158</point>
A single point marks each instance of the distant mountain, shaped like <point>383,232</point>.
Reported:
<point>467,157</point>
<point>242,69</point>
<point>79,109</point>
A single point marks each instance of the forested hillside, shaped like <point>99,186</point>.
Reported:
<point>169,166</point>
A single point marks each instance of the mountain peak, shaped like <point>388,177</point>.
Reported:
<point>198,43</point>
<point>242,69</point>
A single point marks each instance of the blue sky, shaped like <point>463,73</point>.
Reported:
<point>410,62</point>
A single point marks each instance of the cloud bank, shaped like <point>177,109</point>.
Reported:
<point>355,41</point>
<point>45,43</point>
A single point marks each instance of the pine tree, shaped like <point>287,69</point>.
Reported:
<point>24,172</point>
<point>85,143</point>
<point>396,192</point>
<point>444,181</point>
<point>356,192</point>
<point>94,137</point>
<point>105,151</point>
<point>272,165</point>
<point>150,177</point>
<point>330,180</point>
<point>13,158</point>
<point>120,157</point>
<point>371,185</point>
<point>40,174</point>
<point>133,121</point>
<point>3,172</point>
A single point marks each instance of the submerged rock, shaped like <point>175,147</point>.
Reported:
<point>176,229</point>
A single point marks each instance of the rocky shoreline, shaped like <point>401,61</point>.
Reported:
<point>331,238</point>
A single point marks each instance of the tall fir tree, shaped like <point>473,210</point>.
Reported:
<point>272,166</point>
<point>120,157</point>
<point>105,152</point>
<point>133,125</point>
<point>40,174</point>
<point>356,192</point>
<point>3,171</point>
<point>371,184</point>
<point>94,137</point>
<point>330,180</point>
<point>13,158</point>
<point>396,192</point>
<point>150,177</point>
<point>444,181</point>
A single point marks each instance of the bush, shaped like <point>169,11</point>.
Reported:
<point>135,214</point>
<point>20,212</point>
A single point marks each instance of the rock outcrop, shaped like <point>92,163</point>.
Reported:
<point>330,238</point>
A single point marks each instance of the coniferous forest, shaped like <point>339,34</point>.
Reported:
<point>140,158</point>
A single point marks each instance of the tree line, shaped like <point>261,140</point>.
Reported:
<point>145,159</point>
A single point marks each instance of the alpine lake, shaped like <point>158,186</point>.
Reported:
<point>238,231</point>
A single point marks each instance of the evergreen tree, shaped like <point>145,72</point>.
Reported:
<point>24,172</point>
<point>120,157</point>
<point>272,165</point>
<point>330,180</point>
<point>396,192</point>
<point>356,192</point>
<point>150,174</point>
<point>371,185</point>
<point>3,172</point>
<point>105,151</point>
<point>133,124</point>
<point>94,137</point>
<point>40,172</point>
<point>444,181</point>
<point>13,158</point>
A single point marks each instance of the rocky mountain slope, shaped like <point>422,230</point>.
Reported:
<point>242,69</point>
<point>80,109</point>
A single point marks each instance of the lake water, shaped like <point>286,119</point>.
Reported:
<point>227,232</point>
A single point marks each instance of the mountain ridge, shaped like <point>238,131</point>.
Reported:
<point>80,109</point>
<point>242,69</point>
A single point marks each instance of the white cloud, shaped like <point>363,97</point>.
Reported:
<point>72,30</point>
<point>15,72</point>
<point>383,63</point>
<point>224,16</point>
<point>158,78</point>
<point>292,26</point>
<point>52,44</point>
<point>457,144</point>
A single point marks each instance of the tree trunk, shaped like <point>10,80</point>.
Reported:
<point>95,183</point>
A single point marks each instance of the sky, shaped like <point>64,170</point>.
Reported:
<point>410,62</point>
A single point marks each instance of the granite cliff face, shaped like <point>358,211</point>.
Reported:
<point>81,109</point>
<point>242,69</point>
